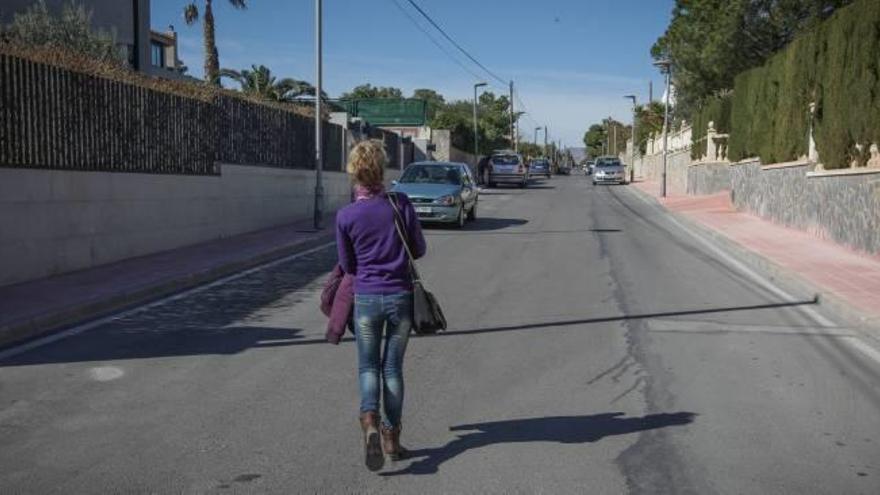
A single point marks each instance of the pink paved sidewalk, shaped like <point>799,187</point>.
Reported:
<point>33,308</point>
<point>848,275</point>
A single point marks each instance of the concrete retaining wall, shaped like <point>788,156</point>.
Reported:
<point>651,168</point>
<point>54,221</point>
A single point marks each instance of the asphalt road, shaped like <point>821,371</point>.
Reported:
<point>595,347</point>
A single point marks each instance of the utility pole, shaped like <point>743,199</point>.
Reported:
<point>666,67</point>
<point>607,150</point>
<point>512,128</point>
<point>476,133</point>
<point>650,92</point>
<point>616,151</point>
<point>546,155</point>
<point>319,160</point>
<point>632,159</point>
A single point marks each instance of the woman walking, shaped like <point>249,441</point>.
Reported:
<point>371,249</point>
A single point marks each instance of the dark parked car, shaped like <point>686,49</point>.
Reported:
<point>589,166</point>
<point>440,191</point>
<point>539,166</point>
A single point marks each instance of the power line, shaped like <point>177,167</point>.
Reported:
<point>434,40</point>
<point>525,109</point>
<point>454,43</point>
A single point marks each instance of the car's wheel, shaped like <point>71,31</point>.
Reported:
<point>491,185</point>
<point>472,214</point>
<point>522,185</point>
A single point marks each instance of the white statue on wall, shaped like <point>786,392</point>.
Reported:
<point>874,161</point>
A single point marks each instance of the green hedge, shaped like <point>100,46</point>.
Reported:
<point>835,64</point>
<point>716,110</point>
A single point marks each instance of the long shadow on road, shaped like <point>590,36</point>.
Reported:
<point>559,429</point>
<point>585,321</point>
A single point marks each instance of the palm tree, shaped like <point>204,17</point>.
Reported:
<point>191,15</point>
<point>259,81</point>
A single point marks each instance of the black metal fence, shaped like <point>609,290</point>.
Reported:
<point>56,118</point>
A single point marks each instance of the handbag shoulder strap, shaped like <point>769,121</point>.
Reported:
<point>398,223</point>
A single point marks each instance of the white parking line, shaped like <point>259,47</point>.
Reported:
<point>55,337</point>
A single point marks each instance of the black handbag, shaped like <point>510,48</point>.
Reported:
<point>427,316</point>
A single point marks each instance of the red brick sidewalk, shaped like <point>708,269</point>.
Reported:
<point>30,309</point>
<point>845,274</point>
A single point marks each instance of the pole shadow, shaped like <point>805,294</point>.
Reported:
<point>488,224</point>
<point>583,321</point>
<point>558,429</point>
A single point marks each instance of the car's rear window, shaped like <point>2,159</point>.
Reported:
<point>432,174</point>
<point>505,160</point>
<point>609,163</point>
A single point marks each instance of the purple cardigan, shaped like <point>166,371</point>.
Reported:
<point>337,303</point>
<point>370,248</point>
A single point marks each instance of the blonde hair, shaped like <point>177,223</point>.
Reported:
<point>366,163</point>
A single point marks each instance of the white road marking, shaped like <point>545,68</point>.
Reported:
<point>866,349</point>
<point>666,324</point>
<point>106,373</point>
<point>14,351</point>
<point>817,317</point>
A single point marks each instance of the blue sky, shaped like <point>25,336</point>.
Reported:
<point>571,60</point>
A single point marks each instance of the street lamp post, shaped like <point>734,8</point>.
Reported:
<point>666,67</point>
<point>545,142</point>
<point>513,139</point>
<point>476,136</point>
<point>319,161</point>
<point>632,170</point>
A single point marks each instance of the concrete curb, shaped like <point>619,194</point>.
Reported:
<point>780,275</point>
<point>18,332</point>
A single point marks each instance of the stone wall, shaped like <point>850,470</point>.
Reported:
<point>56,221</point>
<point>708,178</point>
<point>842,208</point>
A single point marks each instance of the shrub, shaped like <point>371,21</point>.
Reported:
<point>71,31</point>
<point>834,64</point>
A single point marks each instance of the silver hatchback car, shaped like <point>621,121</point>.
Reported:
<point>508,167</point>
<point>608,169</point>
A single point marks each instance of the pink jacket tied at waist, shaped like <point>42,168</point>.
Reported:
<point>337,303</point>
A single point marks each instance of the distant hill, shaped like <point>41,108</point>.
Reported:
<point>579,154</point>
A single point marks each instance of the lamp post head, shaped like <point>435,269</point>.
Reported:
<point>631,97</point>
<point>477,85</point>
<point>663,64</point>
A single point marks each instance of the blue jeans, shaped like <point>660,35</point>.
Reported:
<point>373,314</point>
